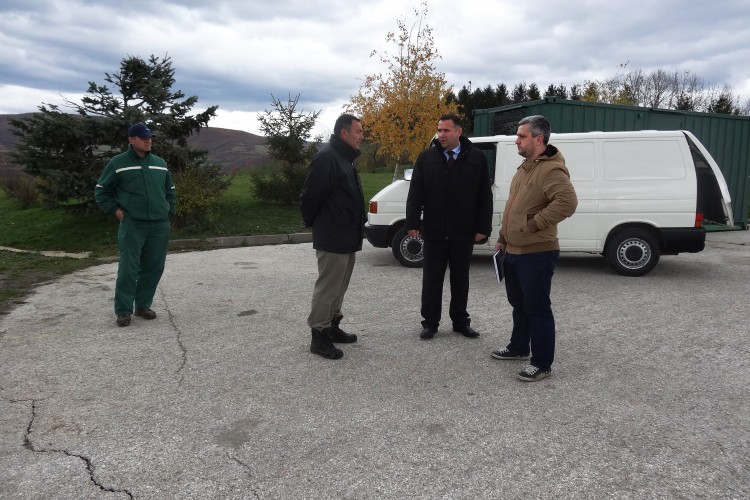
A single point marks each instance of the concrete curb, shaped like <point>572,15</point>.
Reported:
<point>50,253</point>
<point>240,241</point>
<point>196,244</point>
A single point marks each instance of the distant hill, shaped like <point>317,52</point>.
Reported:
<point>234,149</point>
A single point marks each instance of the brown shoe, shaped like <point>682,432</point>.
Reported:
<point>145,312</point>
<point>123,319</point>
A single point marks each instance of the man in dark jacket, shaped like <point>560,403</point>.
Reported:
<point>450,187</point>
<point>333,204</point>
<point>137,188</point>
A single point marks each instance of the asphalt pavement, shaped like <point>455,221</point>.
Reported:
<point>219,396</point>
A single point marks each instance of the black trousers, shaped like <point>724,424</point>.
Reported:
<point>439,255</point>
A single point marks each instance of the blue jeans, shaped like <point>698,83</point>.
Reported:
<point>528,281</point>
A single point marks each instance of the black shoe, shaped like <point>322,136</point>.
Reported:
<point>123,320</point>
<point>533,374</point>
<point>339,335</point>
<point>145,312</point>
<point>507,354</point>
<point>427,333</point>
<point>322,345</point>
<point>466,331</point>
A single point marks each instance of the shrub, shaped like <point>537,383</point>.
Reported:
<point>22,188</point>
<point>199,189</point>
<point>281,184</point>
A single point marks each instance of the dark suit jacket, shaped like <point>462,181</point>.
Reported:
<point>456,203</point>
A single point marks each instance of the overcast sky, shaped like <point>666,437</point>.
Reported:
<point>236,53</point>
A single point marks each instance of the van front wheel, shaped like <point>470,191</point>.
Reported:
<point>633,252</point>
<point>408,251</point>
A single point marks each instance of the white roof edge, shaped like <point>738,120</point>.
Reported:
<point>583,135</point>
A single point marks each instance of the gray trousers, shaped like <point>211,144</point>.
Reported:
<point>334,273</point>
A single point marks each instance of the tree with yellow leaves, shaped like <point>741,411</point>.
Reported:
<point>400,108</point>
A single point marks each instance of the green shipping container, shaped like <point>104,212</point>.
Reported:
<point>727,137</point>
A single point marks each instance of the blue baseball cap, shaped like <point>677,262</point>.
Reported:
<point>139,130</point>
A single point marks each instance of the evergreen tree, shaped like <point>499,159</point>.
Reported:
<point>685,103</point>
<point>520,93</point>
<point>501,95</point>
<point>288,131</point>
<point>533,93</point>
<point>722,104</point>
<point>67,151</point>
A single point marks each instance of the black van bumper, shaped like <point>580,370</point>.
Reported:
<point>681,239</point>
<point>377,235</point>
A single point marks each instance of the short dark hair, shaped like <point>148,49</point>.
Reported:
<point>344,122</point>
<point>452,117</point>
<point>538,125</point>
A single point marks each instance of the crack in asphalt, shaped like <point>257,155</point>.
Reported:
<point>178,338</point>
<point>249,472</point>
<point>86,460</point>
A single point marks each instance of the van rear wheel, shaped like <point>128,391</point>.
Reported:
<point>633,252</point>
<point>408,251</point>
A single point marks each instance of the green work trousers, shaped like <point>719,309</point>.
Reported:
<point>143,248</point>
<point>334,273</point>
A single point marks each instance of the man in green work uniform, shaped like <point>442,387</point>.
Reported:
<point>136,187</point>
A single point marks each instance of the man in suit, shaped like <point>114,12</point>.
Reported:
<point>450,189</point>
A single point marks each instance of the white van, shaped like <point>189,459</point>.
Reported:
<point>640,195</point>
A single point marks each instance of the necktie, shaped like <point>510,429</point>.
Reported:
<point>451,160</point>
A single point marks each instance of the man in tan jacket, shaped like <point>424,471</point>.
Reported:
<point>541,196</point>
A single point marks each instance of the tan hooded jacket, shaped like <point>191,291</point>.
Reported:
<point>541,196</point>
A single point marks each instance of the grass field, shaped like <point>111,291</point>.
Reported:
<point>38,229</point>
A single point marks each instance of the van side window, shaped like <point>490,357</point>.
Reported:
<point>488,148</point>
<point>579,159</point>
<point>698,159</point>
<point>634,160</point>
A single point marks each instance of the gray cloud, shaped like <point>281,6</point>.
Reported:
<point>237,53</point>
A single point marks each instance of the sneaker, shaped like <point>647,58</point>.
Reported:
<point>145,312</point>
<point>123,319</point>
<point>506,354</point>
<point>532,374</point>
